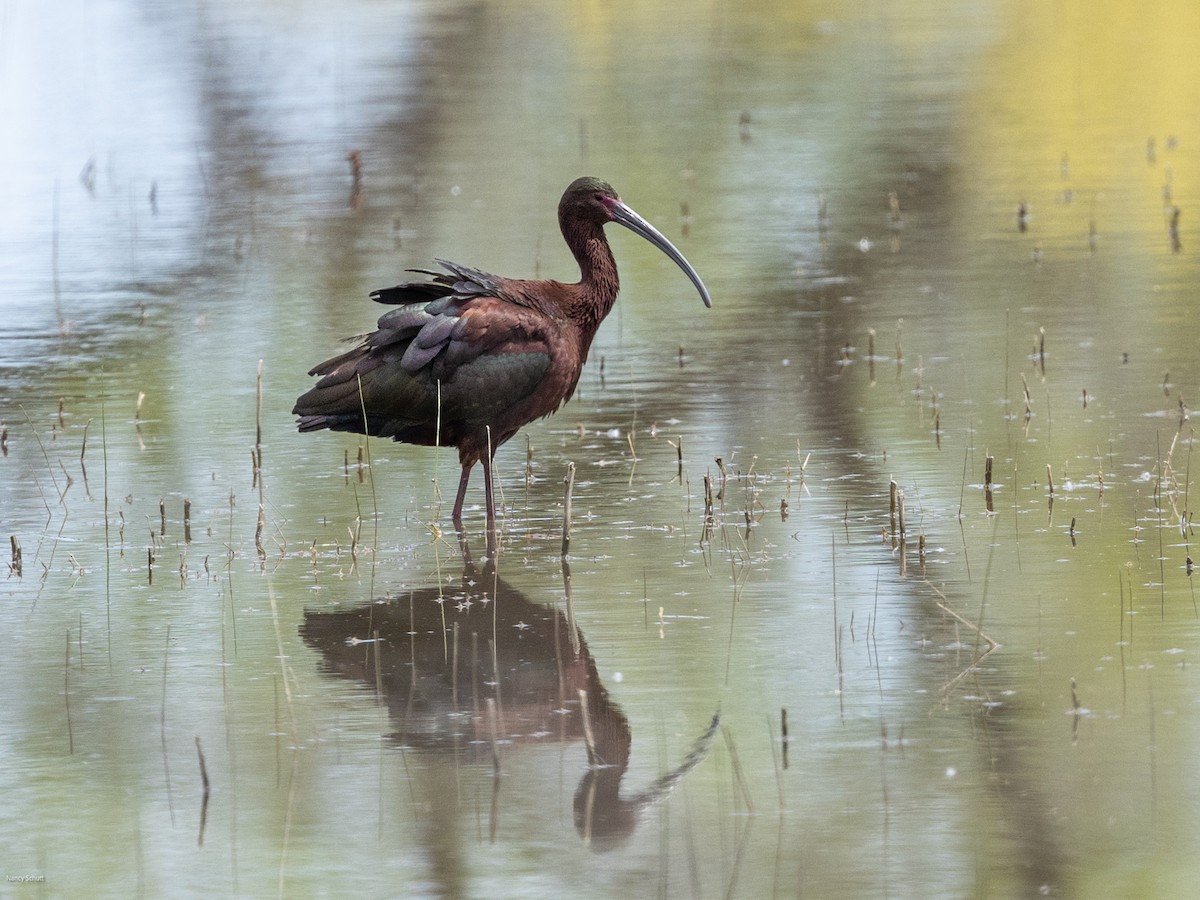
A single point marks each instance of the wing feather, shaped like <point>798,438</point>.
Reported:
<point>460,351</point>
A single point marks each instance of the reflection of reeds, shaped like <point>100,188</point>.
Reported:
<point>162,725</point>
<point>783,731</point>
<point>257,454</point>
<point>1077,712</point>
<point>67,695</point>
<point>205,784</point>
<point>107,540</point>
<point>822,220</point>
<point>137,420</point>
<point>742,789</point>
<point>977,655</point>
<point>356,174</point>
<point>229,556</point>
<point>837,631</point>
<point>82,450</point>
<point>871,355</point>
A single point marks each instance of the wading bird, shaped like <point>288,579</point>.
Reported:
<point>468,358</point>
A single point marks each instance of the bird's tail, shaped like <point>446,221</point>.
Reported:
<point>334,403</point>
<point>315,423</point>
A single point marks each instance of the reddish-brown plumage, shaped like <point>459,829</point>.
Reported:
<point>467,358</point>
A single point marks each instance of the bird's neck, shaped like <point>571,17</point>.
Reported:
<point>598,281</point>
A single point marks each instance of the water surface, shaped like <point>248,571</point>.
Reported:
<point>1002,704</point>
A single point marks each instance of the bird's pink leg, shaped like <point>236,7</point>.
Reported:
<point>492,542</point>
<point>456,516</point>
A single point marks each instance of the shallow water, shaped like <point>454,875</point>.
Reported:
<point>1004,705</point>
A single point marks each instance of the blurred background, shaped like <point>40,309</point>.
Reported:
<point>942,240</point>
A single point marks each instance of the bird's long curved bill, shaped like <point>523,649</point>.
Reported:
<point>623,215</point>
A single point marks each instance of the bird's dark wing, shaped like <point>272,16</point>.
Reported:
<point>461,280</point>
<point>471,282</point>
<point>456,355</point>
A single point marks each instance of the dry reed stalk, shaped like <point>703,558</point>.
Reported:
<point>893,489</point>
<point>568,488</point>
<point>258,531</point>
<point>708,509</point>
<point>258,416</point>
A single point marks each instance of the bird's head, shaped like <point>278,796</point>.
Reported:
<point>589,201</point>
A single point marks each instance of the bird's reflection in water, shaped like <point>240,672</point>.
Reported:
<point>481,666</point>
